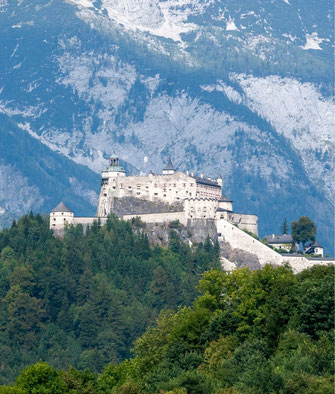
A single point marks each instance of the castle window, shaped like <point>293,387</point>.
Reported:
<point>164,195</point>
<point>105,195</point>
<point>147,187</point>
<point>54,219</point>
<point>155,194</point>
<point>174,185</point>
<point>114,187</point>
<point>129,187</point>
<point>138,193</point>
<point>54,225</point>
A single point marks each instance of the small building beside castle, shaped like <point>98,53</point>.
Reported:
<point>157,198</point>
<point>282,242</point>
<point>313,248</point>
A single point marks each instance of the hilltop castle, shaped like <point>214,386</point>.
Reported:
<point>195,201</point>
<point>157,198</point>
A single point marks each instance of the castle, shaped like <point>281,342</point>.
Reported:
<point>195,201</point>
<point>157,198</point>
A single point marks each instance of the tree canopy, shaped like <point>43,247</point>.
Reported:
<point>81,301</point>
<point>303,230</point>
<point>266,331</point>
<point>79,305</point>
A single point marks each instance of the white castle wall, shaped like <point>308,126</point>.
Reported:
<point>87,220</point>
<point>160,217</point>
<point>169,188</point>
<point>59,219</point>
<point>245,221</point>
<point>238,239</point>
<point>200,208</point>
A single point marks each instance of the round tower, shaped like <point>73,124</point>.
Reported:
<point>60,216</point>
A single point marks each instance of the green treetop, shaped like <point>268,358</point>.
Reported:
<point>303,230</point>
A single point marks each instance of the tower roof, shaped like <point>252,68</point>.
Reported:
<point>279,239</point>
<point>61,207</point>
<point>169,165</point>
<point>115,169</point>
<point>114,165</point>
<point>223,198</point>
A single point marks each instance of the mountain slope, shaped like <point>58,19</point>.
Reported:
<point>35,178</point>
<point>241,89</point>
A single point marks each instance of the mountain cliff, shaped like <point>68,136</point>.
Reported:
<point>238,88</point>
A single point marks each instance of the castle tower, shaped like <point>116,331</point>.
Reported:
<point>60,216</point>
<point>169,168</point>
<point>226,203</point>
<point>110,186</point>
<point>114,169</point>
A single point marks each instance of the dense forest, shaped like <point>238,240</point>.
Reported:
<point>78,305</point>
<point>84,299</point>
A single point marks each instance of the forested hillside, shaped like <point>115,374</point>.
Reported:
<point>75,307</point>
<point>266,331</point>
<point>84,299</point>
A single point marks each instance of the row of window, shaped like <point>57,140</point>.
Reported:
<point>164,185</point>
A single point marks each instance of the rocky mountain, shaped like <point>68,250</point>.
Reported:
<point>241,88</point>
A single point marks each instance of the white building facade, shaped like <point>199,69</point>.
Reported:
<point>199,197</point>
<point>193,198</point>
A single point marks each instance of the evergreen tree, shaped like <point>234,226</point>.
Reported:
<point>284,227</point>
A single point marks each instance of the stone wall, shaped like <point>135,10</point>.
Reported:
<point>166,188</point>
<point>159,217</point>
<point>200,208</point>
<point>245,221</point>
<point>238,239</point>
<point>132,206</point>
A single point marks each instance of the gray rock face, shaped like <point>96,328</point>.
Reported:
<point>132,205</point>
<point>195,232</point>
<point>159,234</point>
<point>244,259</point>
<point>199,229</point>
<point>225,249</point>
<point>239,257</point>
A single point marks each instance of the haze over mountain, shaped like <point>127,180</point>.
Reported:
<point>240,88</point>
